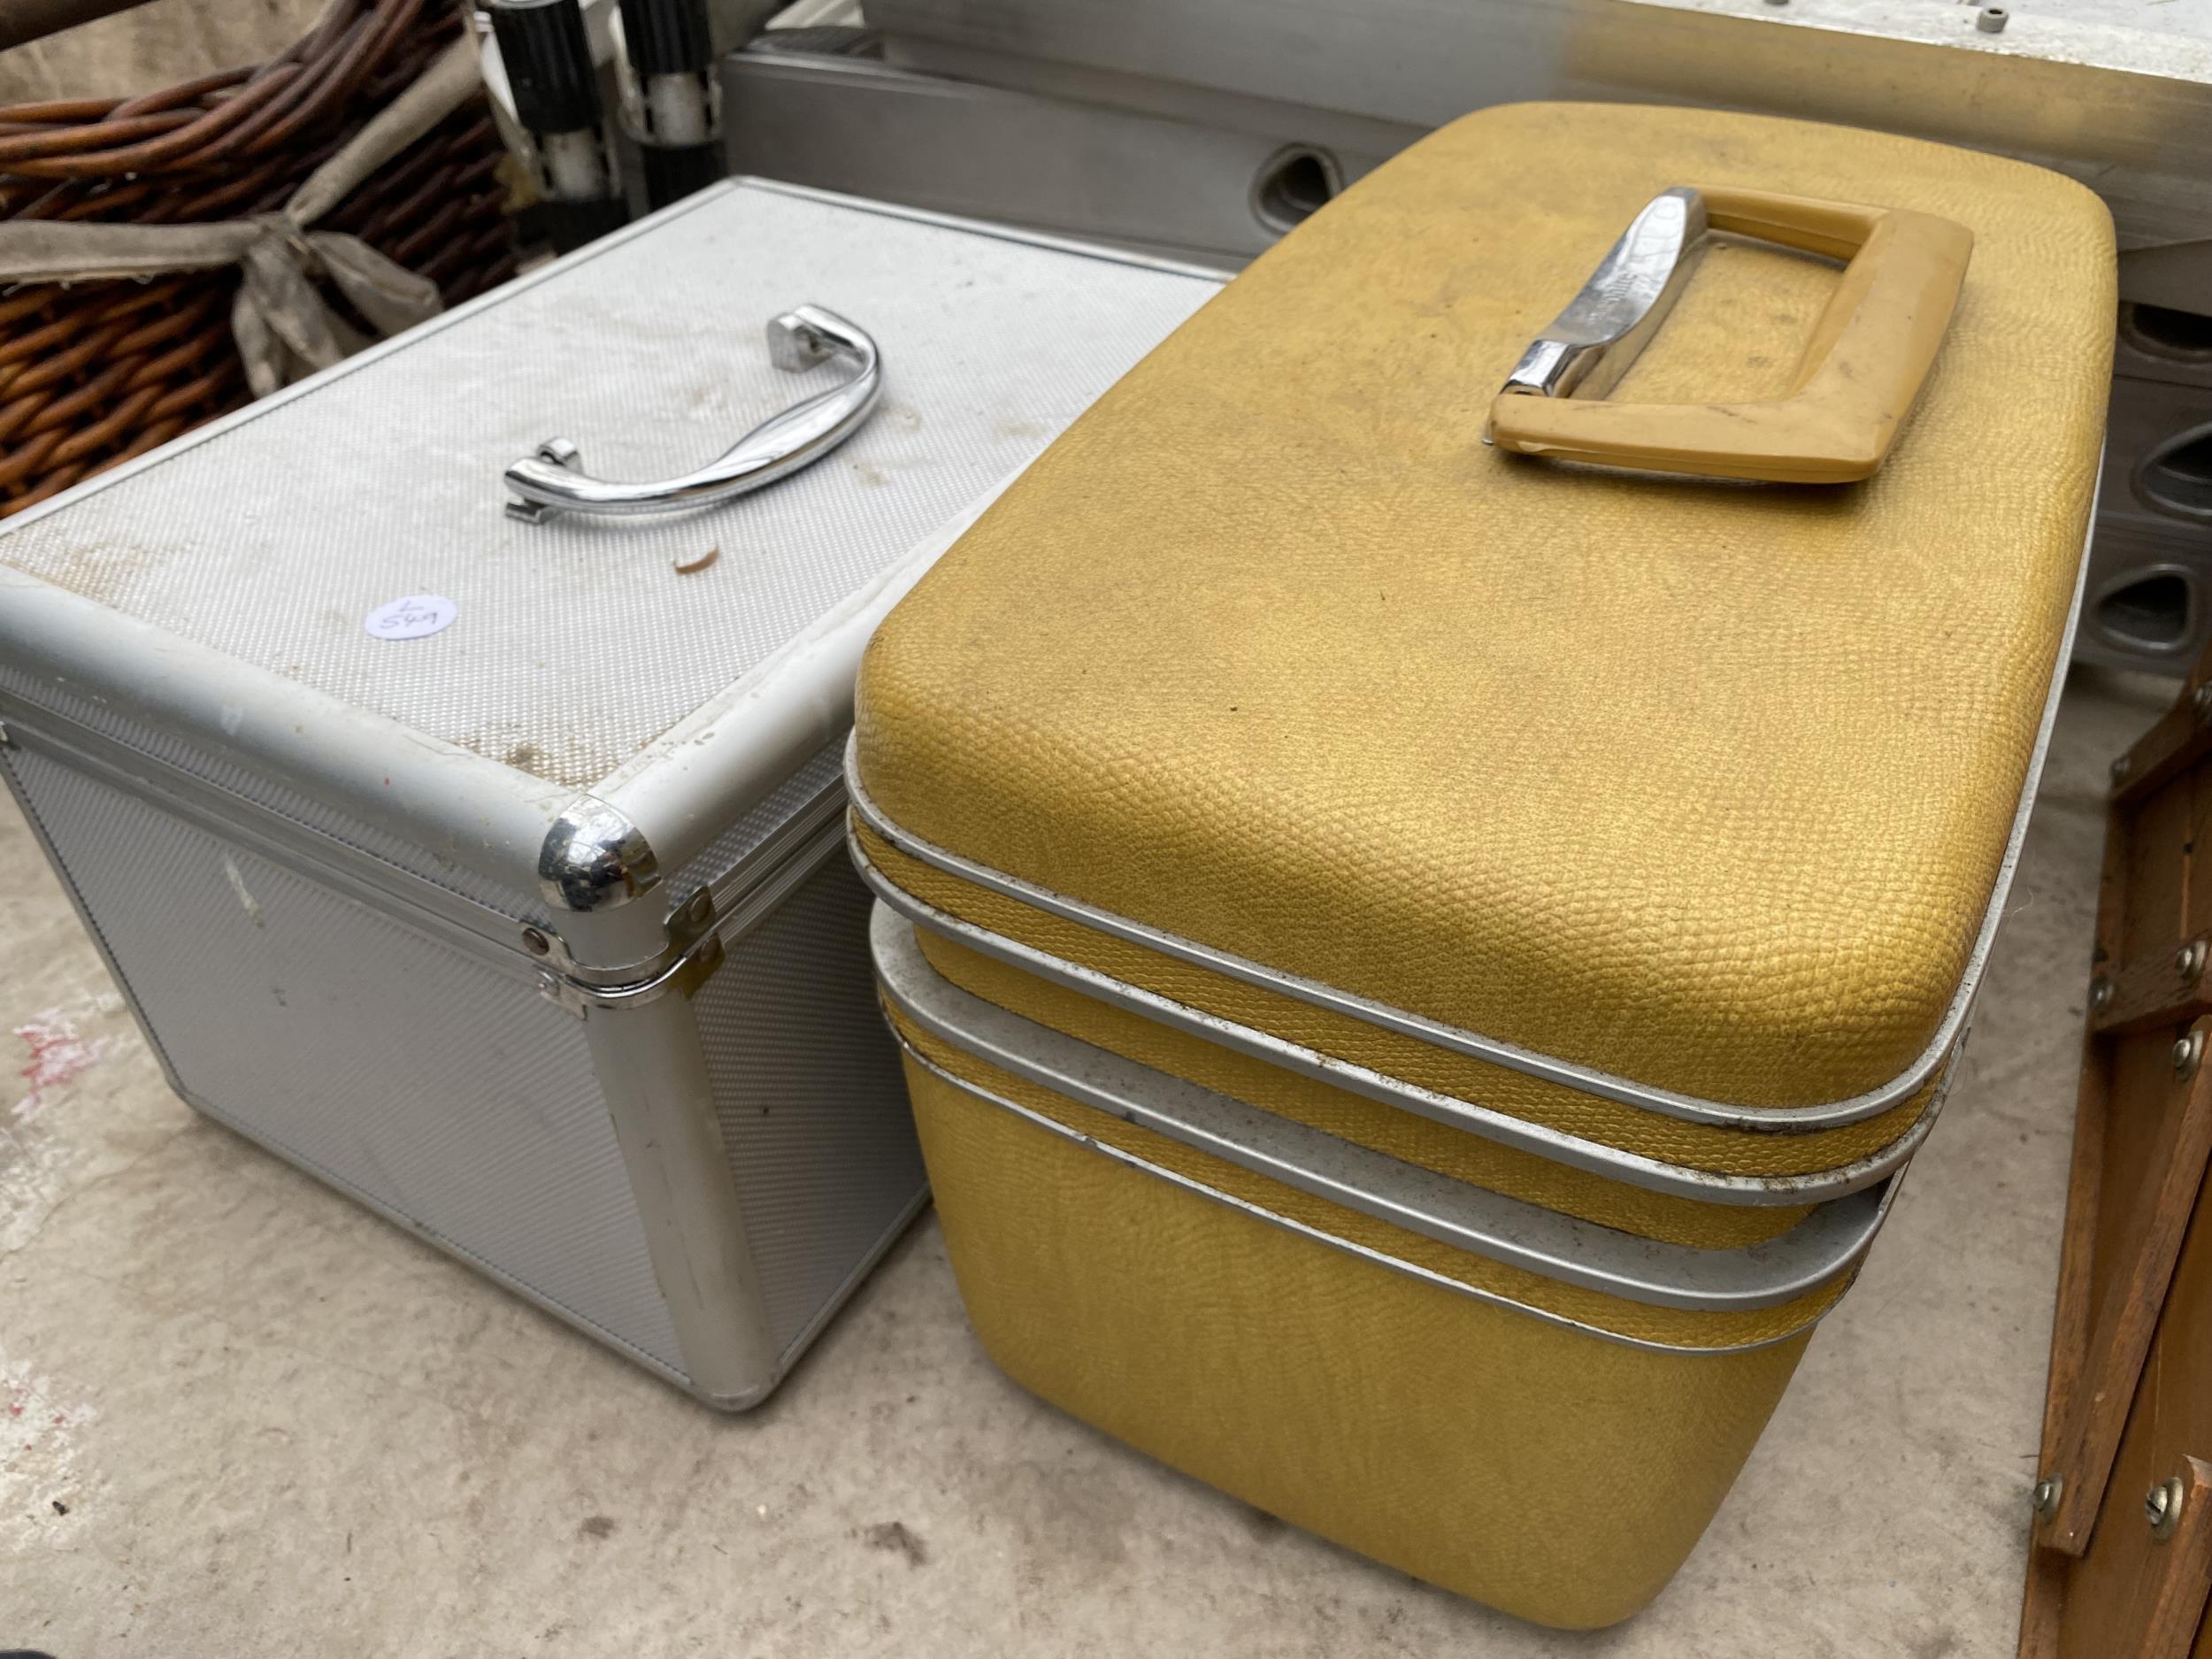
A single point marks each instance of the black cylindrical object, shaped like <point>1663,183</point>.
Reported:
<point>674,108</point>
<point>666,37</point>
<point>549,63</point>
<point>556,89</point>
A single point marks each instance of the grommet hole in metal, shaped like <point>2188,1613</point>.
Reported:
<point>2159,331</point>
<point>1293,185</point>
<point>2153,610</point>
<point>2176,477</point>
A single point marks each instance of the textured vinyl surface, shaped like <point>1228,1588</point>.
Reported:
<point>1541,1470</point>
<point>576,641</point>
<point>808,1092</point>
<point>387,1063</point>
<point>1703,786</point>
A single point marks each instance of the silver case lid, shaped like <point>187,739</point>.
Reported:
<point>217,589</point>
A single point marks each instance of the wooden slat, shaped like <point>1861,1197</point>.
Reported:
<point>2139,1597</point>
<point>2133,1594</point>
<point>2153,990</point>
<point>2145,1241</point>
<point>2048,1569</point>
<point>2180,739</point>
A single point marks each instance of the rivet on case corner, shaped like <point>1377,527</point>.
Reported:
<point>2201,701</point>
<point>2049,1491</point>
<point>2099,994</point>
<point>2187,1054</point>
<point>2161,1508</point>
<point>2121,767</point>
<point>2189,962</point>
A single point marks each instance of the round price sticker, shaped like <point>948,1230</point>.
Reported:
<point>412,618</point>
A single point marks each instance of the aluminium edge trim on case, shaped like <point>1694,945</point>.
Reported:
<point>1465,1216</point>
<point>1587,1079</point>
<point>1616,1163</point>
<point>1412,1270</point>
<point>450,802</point>
<point>745,897</point>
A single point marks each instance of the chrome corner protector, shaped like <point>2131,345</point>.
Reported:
<point>594,858</point>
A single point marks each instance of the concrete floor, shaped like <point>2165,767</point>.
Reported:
<point>240,1416</point>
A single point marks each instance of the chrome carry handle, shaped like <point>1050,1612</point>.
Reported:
<point>553,480</point>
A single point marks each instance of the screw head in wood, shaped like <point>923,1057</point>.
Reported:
<point>2187,1053</point>
<point>2161,1508</point>
<point>2099,994</point>
<point>2189,961</point>
<point>2049,1491</point>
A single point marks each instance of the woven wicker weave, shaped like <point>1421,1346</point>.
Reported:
<point>92,373</point>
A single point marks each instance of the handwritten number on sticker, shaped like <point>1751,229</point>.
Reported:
<point>412,618</point>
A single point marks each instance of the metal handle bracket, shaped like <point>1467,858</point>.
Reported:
<point>554,480</point>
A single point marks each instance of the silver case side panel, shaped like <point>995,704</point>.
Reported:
<point>2117,95</point>
<point>443,1091</point>
<point>810,1101</point>
<point>958,147</point>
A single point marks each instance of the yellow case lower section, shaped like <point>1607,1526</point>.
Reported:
<point>1557,1475</point>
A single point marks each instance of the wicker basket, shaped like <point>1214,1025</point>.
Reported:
<point>92,373</point>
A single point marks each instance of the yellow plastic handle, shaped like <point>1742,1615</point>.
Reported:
<point>1860,374</point>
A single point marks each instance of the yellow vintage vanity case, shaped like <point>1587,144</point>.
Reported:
<point>1426,918</point>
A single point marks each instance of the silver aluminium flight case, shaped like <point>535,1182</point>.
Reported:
<point>476,845</point>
